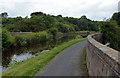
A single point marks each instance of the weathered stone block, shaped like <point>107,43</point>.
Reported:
<point>101,60</point>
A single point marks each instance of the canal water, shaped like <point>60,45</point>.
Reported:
<point>19,54</point>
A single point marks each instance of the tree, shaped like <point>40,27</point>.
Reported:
<point>4,14</point>
<point>7,39</point>
<point>116,17</point>
<point>36,13</point>
<point>84,17</point>
<point>59,15</point>
<point>53,31</point>
<point>111,34</point>
<point>39,21</point>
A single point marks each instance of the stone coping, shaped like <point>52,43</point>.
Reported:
<point>107,54</point>
<point>113,54</point>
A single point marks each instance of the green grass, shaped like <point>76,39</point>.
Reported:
<point>84,63</point>
<point>83,32</point>
<point>31,66</point>
<point>24,39</point>
<point>21,40</point>
<point>7,40</point>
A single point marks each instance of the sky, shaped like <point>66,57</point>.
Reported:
<point>93,9</point>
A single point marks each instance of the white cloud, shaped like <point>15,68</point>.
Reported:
<point>94,9</point>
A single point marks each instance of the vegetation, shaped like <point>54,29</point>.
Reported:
<point>85,61</point>
<point>42,25</point>
<point>29,39</point>
<point>27,68</point>
<point>116,17</point>
<point>4,14</point>
<point>40,21</point>
<point>9,41</point>
<point>111,31</point>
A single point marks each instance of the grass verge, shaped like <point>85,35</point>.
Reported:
<point>31,66</point>
<point>85,62</point>
<point>83,32</point>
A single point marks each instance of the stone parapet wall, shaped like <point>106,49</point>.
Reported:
<point>101,60</point>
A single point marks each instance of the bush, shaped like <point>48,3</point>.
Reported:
<point>53,31</point>
<point>111,34</point>
<point>33,38</point>
<point>7,40</point>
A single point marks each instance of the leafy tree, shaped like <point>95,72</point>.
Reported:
<point>111,34</point>
<point>4,15</point>
<point>59,15</point>
<point>7,39</point>
<point>53,31</point>
<point>111,31</point>
<point>116,17</point>
<point>39,21</point>
<point>84,17</point>
<point>36,13</point>
<point>7,21</point>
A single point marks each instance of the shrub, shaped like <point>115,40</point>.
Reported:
<point>33,38</point>
<point>111,34</point>
<point>7,40</point>
<point>53,31</point>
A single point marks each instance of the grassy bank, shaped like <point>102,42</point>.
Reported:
<point>9,41</point>
<point>84,63</point>
<point>31,66</point>
<point>83,32</point>
<point>27,39</point>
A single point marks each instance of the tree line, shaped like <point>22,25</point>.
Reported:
<point>42,25</point>
<point>40,21</point>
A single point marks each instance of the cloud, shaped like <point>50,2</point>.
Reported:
<point>93,9</point>
<point>119,6</point>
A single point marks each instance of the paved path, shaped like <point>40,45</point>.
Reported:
<point>67,63</point>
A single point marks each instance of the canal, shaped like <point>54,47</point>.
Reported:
<point>18,54</point>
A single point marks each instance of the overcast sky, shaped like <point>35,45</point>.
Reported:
<point>93,9</point>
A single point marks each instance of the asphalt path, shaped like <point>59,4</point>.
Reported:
<point>67,63</point>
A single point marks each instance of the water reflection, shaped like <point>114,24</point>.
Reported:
<point>21,57</point>
<point>18,54</point>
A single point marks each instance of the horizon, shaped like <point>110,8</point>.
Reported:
<point>65,8</point>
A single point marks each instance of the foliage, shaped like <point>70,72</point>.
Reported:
<point>40,21</point>
<point>83,23</point>
<point>45,23</point>
<point>27,68</point>
<point>111,31</point>
<point>30,39</point>
<point>84,63</point>
<point>4,15</point>
<point>111,34</point>
<point>36,13</point>
<point>7,39</point>
<point>53,31</point>
<point>116,17</point>
<point>64,28</point>
<point>10,21</point>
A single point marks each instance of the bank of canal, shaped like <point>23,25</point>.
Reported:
<point>31,66</point>
<point>20,54</point>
